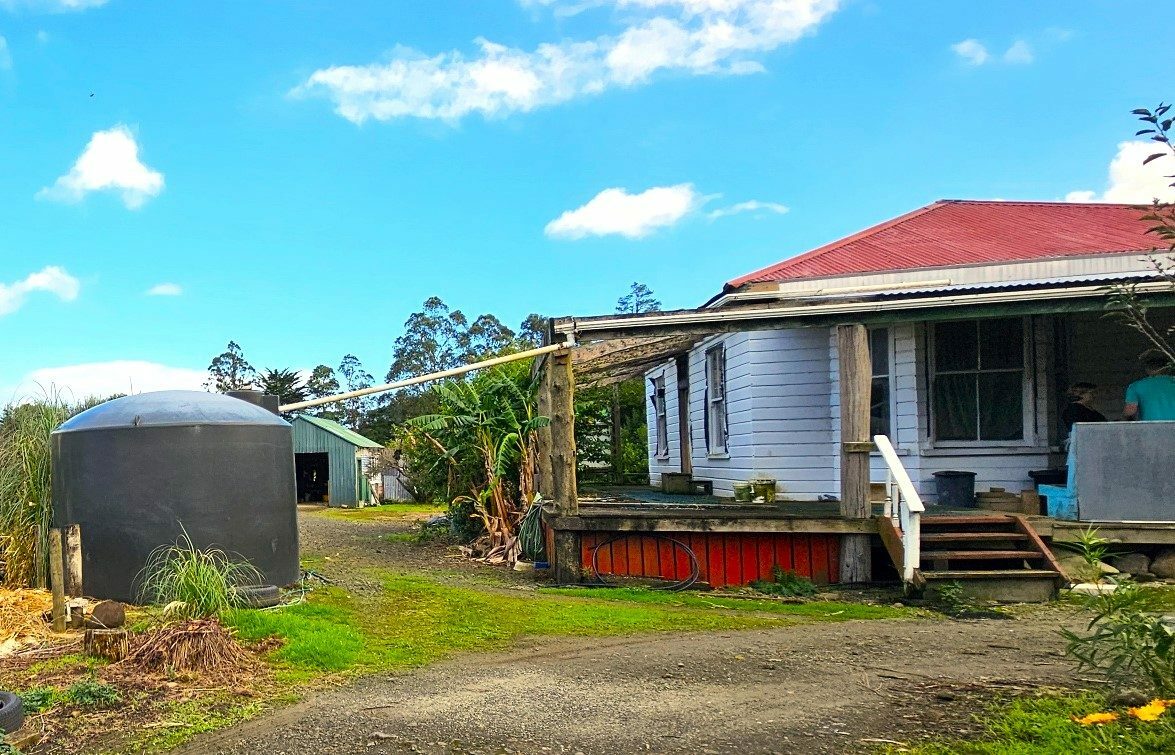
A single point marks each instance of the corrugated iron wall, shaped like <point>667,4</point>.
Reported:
<point>343,480</point>
<point>723,558</point>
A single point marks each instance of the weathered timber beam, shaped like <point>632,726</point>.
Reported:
<point>855,383</point>
<point>829,525</point>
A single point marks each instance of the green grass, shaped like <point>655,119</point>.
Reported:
<point>417,620</point>
<point>191,717</point>
<point>1044,726</point>
<point>383,513</point>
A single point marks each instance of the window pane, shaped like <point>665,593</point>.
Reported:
<point>879,350</point>
<point>954,408</point>
<point>955,346</point>
<point>1001,406</point>
<point>1001,344</point>
<point>879,407</point>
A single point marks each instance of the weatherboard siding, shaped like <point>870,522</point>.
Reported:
<point>343,481</point>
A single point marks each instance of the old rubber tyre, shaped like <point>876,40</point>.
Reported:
<point>258,596</point>
<point>11,712</point>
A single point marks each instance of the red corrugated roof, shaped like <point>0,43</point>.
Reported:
<point>964,232</point>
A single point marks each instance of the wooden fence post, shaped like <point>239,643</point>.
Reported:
<point>57,579</point>
<point>855,385</point>
<point>73,561</point>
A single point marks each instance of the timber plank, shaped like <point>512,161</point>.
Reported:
<point>978,555</point>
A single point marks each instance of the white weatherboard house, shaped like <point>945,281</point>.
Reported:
<point>979,315</point>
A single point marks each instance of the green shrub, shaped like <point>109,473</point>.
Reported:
<point>38,699</point>
<point>787,583</point>
<point>194,583</point>
<point>91,693</point>
<point>1126,641</point>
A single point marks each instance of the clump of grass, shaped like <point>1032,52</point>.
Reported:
<point>25,487</point>
<point>1046,725</point>
<point>194,583</point>
<point>788,584</point>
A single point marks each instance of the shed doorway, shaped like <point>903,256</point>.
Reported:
<point>312,471</point>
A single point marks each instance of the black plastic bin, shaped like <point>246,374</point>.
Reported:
<point>956,490</point>
<point>1058,476</point>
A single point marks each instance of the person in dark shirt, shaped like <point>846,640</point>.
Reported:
<point>1079,408</point>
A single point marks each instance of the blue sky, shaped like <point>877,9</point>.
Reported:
<point>299,176</point>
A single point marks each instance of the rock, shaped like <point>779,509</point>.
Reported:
<point>1127,698</point>
<point>1089,588</point>
<point>1164,564</point>
<point>109,614</point>
<point>1144,576</point>
<point>380,735</point>
<point>1077,570</point>
<point>1132,563</point>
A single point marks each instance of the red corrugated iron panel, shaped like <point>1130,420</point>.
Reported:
<point>723,558</point>
<point>954,232</point>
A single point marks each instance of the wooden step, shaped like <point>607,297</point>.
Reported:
<point>942,537</point>
<point>965,574</point>
<point>993,519</point>
<point>978,555</point>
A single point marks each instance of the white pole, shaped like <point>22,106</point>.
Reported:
<point>426,378</point>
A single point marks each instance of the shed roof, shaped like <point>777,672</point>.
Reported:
<point>334,428</point>
<point>968,232</point>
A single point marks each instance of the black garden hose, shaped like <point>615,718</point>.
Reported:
<point>684,584</point>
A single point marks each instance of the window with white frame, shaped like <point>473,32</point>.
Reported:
<point>879,404</point>
<point>716,400</point>
<point>978,370</point>
<point>662,429</point>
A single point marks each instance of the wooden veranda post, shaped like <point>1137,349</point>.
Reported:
<point>559,387</point>
<point>543,436</point>
<point>855,382</point>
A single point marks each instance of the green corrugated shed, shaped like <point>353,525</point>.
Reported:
<point>314,435</point>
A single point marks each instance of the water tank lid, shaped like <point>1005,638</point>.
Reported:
<point>171,408</point>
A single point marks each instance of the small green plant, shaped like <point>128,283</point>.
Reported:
<point>788,584</point>
<point>1092,548</point>
<point>91,693</point>
<point>952,599</point>
<point>1127,643</point>
<point>194,583</point>
<point>38,699</point>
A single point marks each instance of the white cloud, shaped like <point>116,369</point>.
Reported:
<point>975,53</point>
<point>165,289</point>
<point>972,51</point>
<point>1020,53</point>
<point>101,379</point>
<point>754,205</point>
<point>5,55</point>
<point>52,279</point>
<point>698,37</point>
<point>52,6</point>
<point>1132,182</point>
<point>110,162</point>
<point>634,216</point>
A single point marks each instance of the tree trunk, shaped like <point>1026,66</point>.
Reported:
<point>111,644</point>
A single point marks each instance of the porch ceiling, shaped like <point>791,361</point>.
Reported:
<point>613,361</point>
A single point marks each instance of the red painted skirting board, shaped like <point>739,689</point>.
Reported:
<point>723,558</point>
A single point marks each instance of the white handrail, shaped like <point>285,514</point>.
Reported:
<point>903,506</point>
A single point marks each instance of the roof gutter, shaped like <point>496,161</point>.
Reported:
<point>714,316</point>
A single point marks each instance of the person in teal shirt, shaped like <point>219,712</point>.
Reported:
<point>1153,397</point>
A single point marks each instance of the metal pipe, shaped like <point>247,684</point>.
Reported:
<point>568,344</point>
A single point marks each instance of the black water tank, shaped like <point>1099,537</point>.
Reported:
<point>134,471</point>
